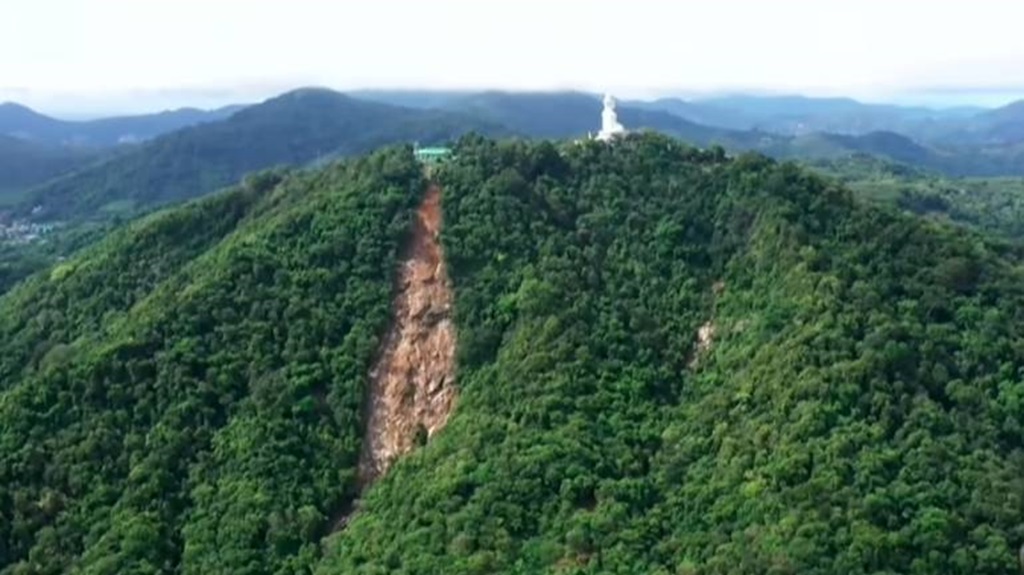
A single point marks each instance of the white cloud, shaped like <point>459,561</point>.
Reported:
<point>105,49</point>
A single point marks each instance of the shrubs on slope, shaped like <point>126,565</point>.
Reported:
<point>669,362</point>
<point>857,410</point>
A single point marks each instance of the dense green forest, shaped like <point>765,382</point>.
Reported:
<point>994,206</point>
<point>24,164</point>
<point>293,129</point>
<point>185,393</point>
<point>669,361</point>
<point>18,260</point>
<point>308,127</point>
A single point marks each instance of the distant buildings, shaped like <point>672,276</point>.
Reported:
<point>22,232</point>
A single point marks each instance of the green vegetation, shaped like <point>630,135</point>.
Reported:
<point>186,392</point>
<point>309,126</point>
<point>291,130</point>
<point>857,412</point>
<point>301,128</point>
<point>25,164</point>
<point>955,142</point>
<point>991,205</point>
<point>185,395</point>
<point>18,261</point>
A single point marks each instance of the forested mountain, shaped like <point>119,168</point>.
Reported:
<point>898,148</point>
<point>22,122</point>
<point>668,361</point>
<point>1000,127</point>
<point>292,129</point>
<point>800,115</point>
<point>411,98</point>
<point>701,113</point>
<point>994,206</point>
<point>785,127</point>
<point>782,115</point>
<point>964,129</point>
<point>24,164</point>
<point>310,124</point>
<point>574,114</point>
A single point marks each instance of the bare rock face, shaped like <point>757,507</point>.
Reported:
<point>412,389</point>
<point>706,332</point>
<point>705,338</point>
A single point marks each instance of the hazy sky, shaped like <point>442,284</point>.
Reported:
<point>67,56</point>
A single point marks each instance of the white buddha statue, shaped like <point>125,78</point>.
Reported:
<point>610,126</point>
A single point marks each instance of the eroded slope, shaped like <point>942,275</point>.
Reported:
<point>411,386</point>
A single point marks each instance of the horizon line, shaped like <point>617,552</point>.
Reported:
<point>77,106</point>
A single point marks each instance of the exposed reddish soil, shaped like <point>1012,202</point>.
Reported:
<point>412,390</point>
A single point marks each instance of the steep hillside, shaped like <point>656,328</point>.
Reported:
<point>24,164</point>
<point>671,363</point>
<point>292,129</point>
<point>1003,125</point>
<point>200,374</point>
<point>24,123</point>
<point>666,361</point>
<point>994,129</point>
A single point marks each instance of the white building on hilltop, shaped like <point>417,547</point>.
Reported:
<point>610,126</point>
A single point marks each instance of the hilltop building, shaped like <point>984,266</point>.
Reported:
<point>431,155</point>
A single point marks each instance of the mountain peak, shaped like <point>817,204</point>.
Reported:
<point>15,110</point>
<point>313,92</point>
<point>9,105</point>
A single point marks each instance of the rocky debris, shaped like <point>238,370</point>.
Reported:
<point>412,387</point>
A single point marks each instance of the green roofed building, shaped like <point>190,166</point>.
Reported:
<point>432,155</point>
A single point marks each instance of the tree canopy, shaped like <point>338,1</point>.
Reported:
<point>669,361</point>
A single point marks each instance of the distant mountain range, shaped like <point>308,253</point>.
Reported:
<point>188,153</point>
<point>24,163</point>
<point>796,115</point>
<point>24,123</point>
<point>955,141</point>
<point>294,129</point>
<point>35,148</point>
<point>781,115</point>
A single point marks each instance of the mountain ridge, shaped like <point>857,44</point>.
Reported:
<point>196,381</point>
<point>25,163</point>
<point>295,128</point>
<point>198,159</point>
<point>23,122</point>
